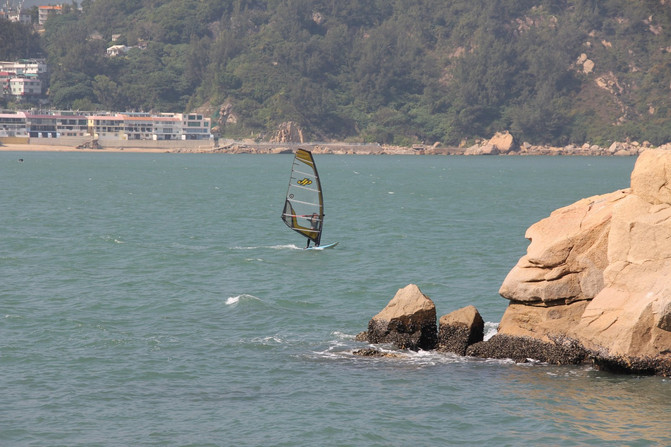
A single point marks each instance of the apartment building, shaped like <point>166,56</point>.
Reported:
<point>13,124</point>
<point>25,67</point>
<point>45,12</point>
<point>115,126</point>
<point>25,86</point>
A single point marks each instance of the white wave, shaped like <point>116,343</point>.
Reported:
<point>490,330</point>
<point>235,300</point>
<point>272,247</point>
<point>285,247</point>
<point>109,238</point>
<point>268,340</point>
<point>343,336</point>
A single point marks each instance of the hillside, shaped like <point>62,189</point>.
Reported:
<point>402,71</point>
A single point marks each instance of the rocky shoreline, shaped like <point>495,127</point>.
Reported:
<point>503,143</point>
<point>500,144</point>
<point>617,149</point>
<point>593,288</point>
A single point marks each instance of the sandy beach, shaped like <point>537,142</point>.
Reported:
<point>52,148</point>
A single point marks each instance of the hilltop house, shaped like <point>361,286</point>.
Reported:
<point>22,78</point>
<point>116,50</point>
<point>44,12</point>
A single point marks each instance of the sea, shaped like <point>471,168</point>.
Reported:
<point>159,300</point>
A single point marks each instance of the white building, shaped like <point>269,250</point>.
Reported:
<point>44,12</point>
<point>106,126</point>
<point>24,67</point>
<point>116,50</point>
<point>167,128</point>
<point>25,87</point>
<point>195,126</point>
<point>13,124</point>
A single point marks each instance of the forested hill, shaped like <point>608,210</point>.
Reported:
<point>390,71</point>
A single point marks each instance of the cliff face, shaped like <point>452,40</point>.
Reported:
<point>599,271</point>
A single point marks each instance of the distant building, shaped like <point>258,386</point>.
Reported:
<point>57,125</point>
<point>23,67</point>
<point>167,128</point>
<point>105,125</point>
<point>116,50</point>
<point>45,12</point>
<point>5,76</point>
<point>195,126</point>
<point>22,78</point>
<point>20,16</point>
<point>25,86</point>
<point>13,124</point>
<point>13,13</point>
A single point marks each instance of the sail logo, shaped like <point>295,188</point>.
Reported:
<point>304,182</point>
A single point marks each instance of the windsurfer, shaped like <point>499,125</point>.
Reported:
<point>314,223</point>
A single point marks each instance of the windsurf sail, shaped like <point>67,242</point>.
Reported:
<point>304,206</point>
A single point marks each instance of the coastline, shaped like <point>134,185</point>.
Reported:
<point>243,147</point>
<point>54,148</point>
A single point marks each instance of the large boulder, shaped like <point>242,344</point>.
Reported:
<point>460,329</point>
<point>504,142</point>
<point>597,271</point>
<point>407,322</point>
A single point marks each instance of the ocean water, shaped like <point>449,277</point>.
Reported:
<point>159,300</point>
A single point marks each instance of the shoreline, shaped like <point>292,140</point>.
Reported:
<point>54,148</point>
<point>230,147</point>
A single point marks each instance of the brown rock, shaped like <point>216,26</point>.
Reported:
<point>460,329</point>
<point>597,272</point>
<point>503,142</point>
<point>408,321</point>
<point>567,255</point>
<point>651,179</point>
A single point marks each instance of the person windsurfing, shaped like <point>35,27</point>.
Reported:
<point>314,223</point>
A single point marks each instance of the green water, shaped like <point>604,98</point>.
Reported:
<point>158,299</point>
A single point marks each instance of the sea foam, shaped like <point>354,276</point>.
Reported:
<point>235,300</point>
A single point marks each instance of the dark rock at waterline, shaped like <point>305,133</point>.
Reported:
<point>460,329</point>
<point>407,322</point>
<point>372,352</point>
<point>521,349</point>
<point>628,365</point>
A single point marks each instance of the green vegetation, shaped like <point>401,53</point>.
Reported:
<point>390,71</point>
<point>18,41</point>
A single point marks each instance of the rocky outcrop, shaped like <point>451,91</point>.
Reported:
<point>596,273</point>
<point>288,132</point>
<point>460,329</point>
<point>407,322</point>
<point>504,142</point>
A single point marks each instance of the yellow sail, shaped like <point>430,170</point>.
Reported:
<point>304,205</point>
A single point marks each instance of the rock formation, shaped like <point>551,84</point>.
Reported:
<point>594,286</point>
<point>288,132</point>
<point>500,143</point>
<point>597,272</point>
<point>460,329</point>
<point>407,322</point>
